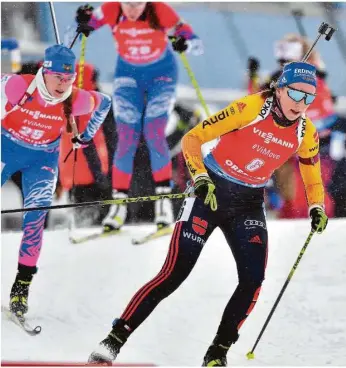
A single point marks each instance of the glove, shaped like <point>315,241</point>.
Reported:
<point>85,29</point>
<point>195,46</point>
<point>78,142</point>
<point>253,66</point>
<point>204,189</point>
<point>84,13</point>
<point>179,44</point>
<point>319,219</point>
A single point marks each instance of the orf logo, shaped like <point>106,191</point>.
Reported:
<point>199,226</point>
<point>254,165</point>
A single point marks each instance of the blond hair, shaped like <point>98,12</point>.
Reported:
<point>314,57</point>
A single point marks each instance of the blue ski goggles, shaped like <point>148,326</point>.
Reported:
<point>298,96</point>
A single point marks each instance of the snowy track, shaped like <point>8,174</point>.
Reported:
<point>79,289</point>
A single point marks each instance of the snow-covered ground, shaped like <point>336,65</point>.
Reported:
<point>81,288</point>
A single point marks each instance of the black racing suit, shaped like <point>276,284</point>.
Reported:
<point>240,216</point>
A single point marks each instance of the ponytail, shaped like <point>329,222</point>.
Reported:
<point>67,104</point>
<point>151,14</point>
<point>267,93</point>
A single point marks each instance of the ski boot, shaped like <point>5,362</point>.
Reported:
<point>116,216</point>
<point>216,356</point>
<point>109,348</point>
<point>163,209</point>
<point>20,290</point>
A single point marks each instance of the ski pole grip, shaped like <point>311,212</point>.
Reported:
<point>297,13</point>
<point>323,28</point>
<point>330,33</point>
<point>326,30</point>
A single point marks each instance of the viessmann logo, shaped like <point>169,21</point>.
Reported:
<point>133,32</point>
<point>39,115</point>
<point>269,137</point>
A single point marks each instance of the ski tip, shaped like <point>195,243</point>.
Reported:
<point>250,355</point>
<point>20,321</point>
<point>37,330</point>
<point>34,332</point>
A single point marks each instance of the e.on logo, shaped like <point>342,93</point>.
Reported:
<point>254,165</point>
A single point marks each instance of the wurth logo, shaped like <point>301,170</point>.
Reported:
<point>199,226</point>
<point>269,137</point>
<point>193,237</point>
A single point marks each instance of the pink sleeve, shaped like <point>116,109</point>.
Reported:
<point>15,88</point>
<point>85,102</point>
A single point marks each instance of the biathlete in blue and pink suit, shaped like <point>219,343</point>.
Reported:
<point>35,111</point>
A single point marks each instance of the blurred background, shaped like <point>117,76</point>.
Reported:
<point>239,41</point>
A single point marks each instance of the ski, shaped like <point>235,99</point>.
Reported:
<point>93,236</point>
<point>154,235</point>
<point>21,322</point>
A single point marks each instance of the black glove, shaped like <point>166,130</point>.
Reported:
<point>204,189</point>
<point>179,44</point>
<point>319,220</point>
<point>78,142</point>
<point>253,66</point>
<point>85,29</point>
<point>84,13</point>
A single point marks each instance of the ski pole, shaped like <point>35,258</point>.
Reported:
<point>102,203</point>
<point>82,62</point>
<point>332,16</point>
<point>297,15</point>
<point>194,82</point>
<point>57,38</point>
<point>55,26</point>
<point>324,30</point>
<point>74,40</point>
<point>250,354</point>
<point>237,36</point>
<point>193,79</point>
<point>80,85</point>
